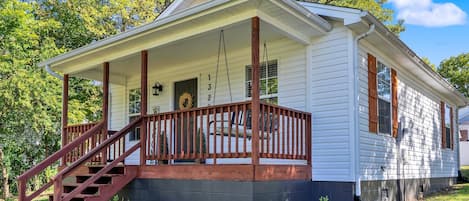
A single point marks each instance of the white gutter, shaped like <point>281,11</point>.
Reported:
<point>316,19</point>
<point>356,102</point>
<point>51,72</point>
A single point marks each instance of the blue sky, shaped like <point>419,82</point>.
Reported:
<point>436,29</point>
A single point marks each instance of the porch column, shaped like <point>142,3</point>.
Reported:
<point>255,107</point>
<point>143,111</point>
<point>105,106</point>
<point>64,115</point>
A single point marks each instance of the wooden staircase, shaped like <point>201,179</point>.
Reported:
<point>103,188</point>
<point>98,182</point>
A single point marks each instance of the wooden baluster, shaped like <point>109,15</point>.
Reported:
<point>269,127</point>
<point>215,136</point>
<point>188,135</point>
<point>237,130</point>
<point>245,116</point>
<point>165,141</point>
<point>288,133</point>
<point>194,134</point>
<point>172,143</point>
<point>207,144</point>
<point>230,123</point>
<point>262,128</point>
<point>297,134</point>
<point>156,143</point>
<point>176,139</point>
<point>222,134</point>
<point>201,122</point>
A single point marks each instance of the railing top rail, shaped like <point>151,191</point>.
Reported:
<point>99,148</point>
<point>201,108</point>
<point>84,124</point>
<point>285,108</point>
<point>61,153</point>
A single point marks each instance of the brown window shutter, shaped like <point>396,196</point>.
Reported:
<point>443,129</point>
<point>394,84</point>
<point>452,127</point>
<point>372,95</point>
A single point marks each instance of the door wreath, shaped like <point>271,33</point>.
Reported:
<point>186,101</point>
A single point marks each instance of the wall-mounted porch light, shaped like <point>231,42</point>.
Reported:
<point>157,88</point>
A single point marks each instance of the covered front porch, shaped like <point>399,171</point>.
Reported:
<point>219,96</point>
<point>198,101</point>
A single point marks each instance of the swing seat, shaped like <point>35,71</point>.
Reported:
<point>223,127</point>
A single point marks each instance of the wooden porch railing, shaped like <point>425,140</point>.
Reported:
<point>104,146</point>
<point>225,131</point>
<point>52,162</point>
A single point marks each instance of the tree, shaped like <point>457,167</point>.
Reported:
<point>456,70</point>
<point>376,8</point>
<point>30,109</point>
<point>29,103</point>
<point>429,63</point>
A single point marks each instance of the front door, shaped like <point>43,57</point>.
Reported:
<point>185,97</point>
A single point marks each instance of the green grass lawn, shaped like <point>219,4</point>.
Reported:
<point>459,192</point>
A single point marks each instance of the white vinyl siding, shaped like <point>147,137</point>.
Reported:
<point>417,152</point>
<point>291,78</point>
<point>330,106</point>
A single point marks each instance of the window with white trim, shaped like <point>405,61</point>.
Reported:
<point>268,82</point>
<point>383,78</point>
<point>134,111</point>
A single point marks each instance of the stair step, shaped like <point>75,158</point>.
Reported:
<point>90,189</point>
<point>104,179</point>
<point>120,169</point>
<point>80,197</point>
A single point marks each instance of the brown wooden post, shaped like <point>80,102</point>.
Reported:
<point>255,89</point>
<point>143,112</point>
<point>64,115</point>
<point>105,106</point>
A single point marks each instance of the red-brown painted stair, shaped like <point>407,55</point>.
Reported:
<point>105,187</point>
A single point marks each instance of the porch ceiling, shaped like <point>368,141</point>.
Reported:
<point>191,35</point>
<point>237,37</point>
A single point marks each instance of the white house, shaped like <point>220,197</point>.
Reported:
<point>339,106</point>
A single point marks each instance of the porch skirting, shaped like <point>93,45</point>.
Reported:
<point>205,190</point>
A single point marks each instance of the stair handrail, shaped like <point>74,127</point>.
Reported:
<point>89,155</point>
<point>23,178</point>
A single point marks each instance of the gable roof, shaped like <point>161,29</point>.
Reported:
<point>181,12</point>
<point>359,21</point>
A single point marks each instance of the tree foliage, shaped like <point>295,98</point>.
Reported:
<point>375,7</point>
<point>30,99</point>
<point>456,70</point>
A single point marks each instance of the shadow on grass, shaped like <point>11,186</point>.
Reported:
<point>458,192</point>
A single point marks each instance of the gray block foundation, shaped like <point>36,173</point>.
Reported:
<point>200,190</point>
<point>204,190</point>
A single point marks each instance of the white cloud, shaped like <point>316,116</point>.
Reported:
<point>429,14</point>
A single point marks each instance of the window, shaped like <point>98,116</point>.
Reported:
<point>134,111</point>
<point>383,77</point>
<point>448,126</point>
<point>268,82</point>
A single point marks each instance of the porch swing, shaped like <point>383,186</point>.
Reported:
<point>236,115</point>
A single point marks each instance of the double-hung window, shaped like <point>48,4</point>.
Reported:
<point>268,82</point>
<point>383,77</point>
<point>134,111</point>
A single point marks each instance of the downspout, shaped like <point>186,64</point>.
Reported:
<point>356,108</point>
<point>51,72</point>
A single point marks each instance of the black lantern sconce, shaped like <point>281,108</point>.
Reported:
<point>157,88</point>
